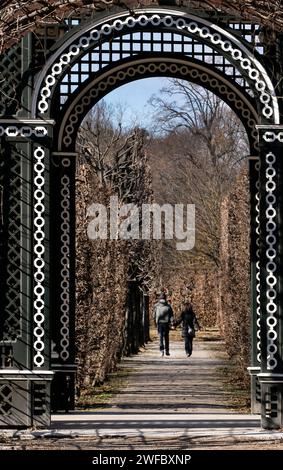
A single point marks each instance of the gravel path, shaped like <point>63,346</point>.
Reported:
<point>174,384</point>
<point>164,403</point>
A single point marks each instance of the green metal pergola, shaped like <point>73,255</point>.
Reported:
<point>51,79</point>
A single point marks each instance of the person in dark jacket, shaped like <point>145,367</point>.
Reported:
<point>163,317</point>
<point>189,324</point>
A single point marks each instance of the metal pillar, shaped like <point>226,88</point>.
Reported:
<point>25,374</point>
<point>254,369</point>
<point>271,374</point>
<point>62,211</point>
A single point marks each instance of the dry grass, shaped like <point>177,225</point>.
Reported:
<point>239,393</point>
<point>100,395</point>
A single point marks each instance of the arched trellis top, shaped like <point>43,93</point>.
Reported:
<point>114,76</point>
<point>90,36</point>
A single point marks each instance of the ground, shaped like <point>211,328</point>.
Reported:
<point>158,402</point>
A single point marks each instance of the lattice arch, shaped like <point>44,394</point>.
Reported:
<point>93,90</point>
<point>94,35</point>
<point>107,55</point>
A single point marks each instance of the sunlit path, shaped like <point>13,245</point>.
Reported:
<point>163,403</point>
<point>166,396</point>
<point>174,384</point>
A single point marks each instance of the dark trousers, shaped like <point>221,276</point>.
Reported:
<point>163,330</point>
<point>188,344</point>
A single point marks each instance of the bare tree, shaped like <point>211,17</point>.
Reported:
<point>116,156</point>
<point>202,146</point>
<point>185,106</point>
<point>17,18</point>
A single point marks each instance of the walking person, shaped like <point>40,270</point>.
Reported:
<point>163,317</point>
<point>189,324</point>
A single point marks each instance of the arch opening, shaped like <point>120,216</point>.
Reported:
<point>61,221</point>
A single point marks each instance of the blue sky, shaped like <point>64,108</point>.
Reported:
<point>134,99</point>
